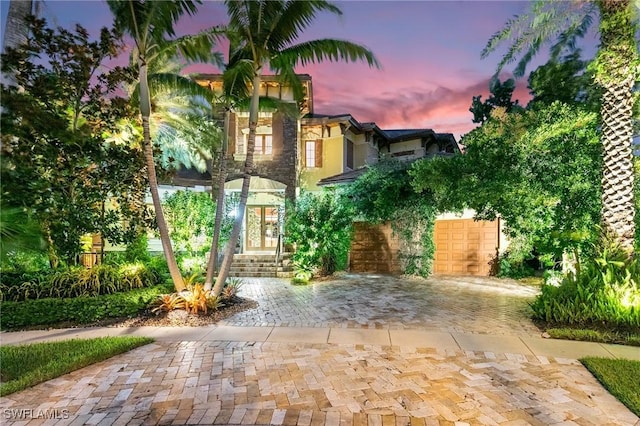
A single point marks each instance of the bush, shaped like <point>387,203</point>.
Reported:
<point>603,294</point>
<point>320,226</point>
<point>79,310</point>
<point>76,282</point>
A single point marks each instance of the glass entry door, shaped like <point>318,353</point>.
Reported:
<point>262,228</point>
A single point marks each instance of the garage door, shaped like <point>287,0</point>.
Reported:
<point>465,246</point>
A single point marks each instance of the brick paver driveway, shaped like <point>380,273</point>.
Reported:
<point>222,382</point>
<point>468,305</point>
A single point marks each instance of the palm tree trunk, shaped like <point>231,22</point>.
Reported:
<point>145,110</point>
<point>246,180</point>
<point>212,266</point>
<point>16,30</point>
<point>615,74</point>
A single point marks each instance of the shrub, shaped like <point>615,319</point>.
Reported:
<point>320,226</point>
<point>76,282</point>
<point>79,310</point>
<point>603,293</point>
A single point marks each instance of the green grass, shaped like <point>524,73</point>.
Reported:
<point>620,377</point>
<point>27,365</point>
<point>601,336</point>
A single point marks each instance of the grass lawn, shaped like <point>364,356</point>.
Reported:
<point>586,335</point>
<point>620,377</point>
<point>27,365</point>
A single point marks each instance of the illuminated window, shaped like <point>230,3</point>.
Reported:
<point>264,144</point>
<point>313,153</point>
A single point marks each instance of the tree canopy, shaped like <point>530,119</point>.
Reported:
<point>55,162</point>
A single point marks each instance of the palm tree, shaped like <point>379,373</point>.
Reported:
<point>150,24</point>
<point>615,68</point>
<point>16,29</point>
<point>266,32</point>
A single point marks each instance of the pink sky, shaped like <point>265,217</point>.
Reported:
<point>429,50</point>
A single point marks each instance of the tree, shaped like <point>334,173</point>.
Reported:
<point>501,94</point>
<point>151,24</point>
<point>56,165</point>
<point>265,34</point>
<point>566,80</point>
<point>614,70</point>
<point>536,169</point>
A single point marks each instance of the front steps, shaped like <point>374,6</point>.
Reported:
<point>261,266</point>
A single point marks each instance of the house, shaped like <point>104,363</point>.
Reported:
<point>305,153</point>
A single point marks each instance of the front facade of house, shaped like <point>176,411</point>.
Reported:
<point>307,152</point>
<point>302,153</point>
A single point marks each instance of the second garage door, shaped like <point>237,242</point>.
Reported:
<point>465,246</point>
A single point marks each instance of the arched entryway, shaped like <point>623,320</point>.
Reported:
<point>264,214</point>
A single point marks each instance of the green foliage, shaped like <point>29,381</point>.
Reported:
<point>78,310</point>
<point>501,94</point>
<point>538,170</point>
<point>25,261</point>
<point>619,377</point>
<point>320,225</point>
<point>27,365</point>
<point>384,193</point>
<point>191,219</point>
<point>76,282</point>
<point>190,216</point>
<point>565,80</point>
<point>602,336</point>
<point>138,249</point>
<point>18,233</point>
<point>301,277</point>
<point>55,164</point>
<point>603,293</point>
<point>231,288</point>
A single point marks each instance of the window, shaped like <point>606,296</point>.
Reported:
<point>313,153</point>
<point>264,144</point>
<point>349,154</point>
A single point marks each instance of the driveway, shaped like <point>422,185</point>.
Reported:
<point>218,375</point>
<point>468,305</point>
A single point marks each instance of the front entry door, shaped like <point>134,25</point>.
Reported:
<point>262,228</point>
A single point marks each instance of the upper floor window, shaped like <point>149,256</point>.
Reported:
<point>264,144</point>
<point>313,153</point>
<point>350,154</point>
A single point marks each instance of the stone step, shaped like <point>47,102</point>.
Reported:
<point>252,274</point>
<point>255,264</point>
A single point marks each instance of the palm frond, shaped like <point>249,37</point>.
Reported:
<point>546,21</point>
<point>289,77</point>
<point>192,48</point>
<point>295,17</point>
<point>150,22</point>
<point>315,51</point>
<point>237,79</point>
<point>174,84</point>
<point>18,232</point>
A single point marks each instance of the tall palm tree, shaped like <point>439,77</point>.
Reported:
<point>615,71</point>
<point>16,29</point>
<point>151,26</point>
<point>267,31</point>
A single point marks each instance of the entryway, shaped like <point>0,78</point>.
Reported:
<point>262,227</point>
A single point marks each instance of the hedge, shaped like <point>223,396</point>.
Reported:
<point>79,310</point>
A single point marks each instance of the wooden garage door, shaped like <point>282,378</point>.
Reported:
<point>465,246</point>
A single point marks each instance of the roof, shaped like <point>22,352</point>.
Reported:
<point>189,177</point>
<point>346,177</point>
<point>398,135</point>
<point>352,175</point>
